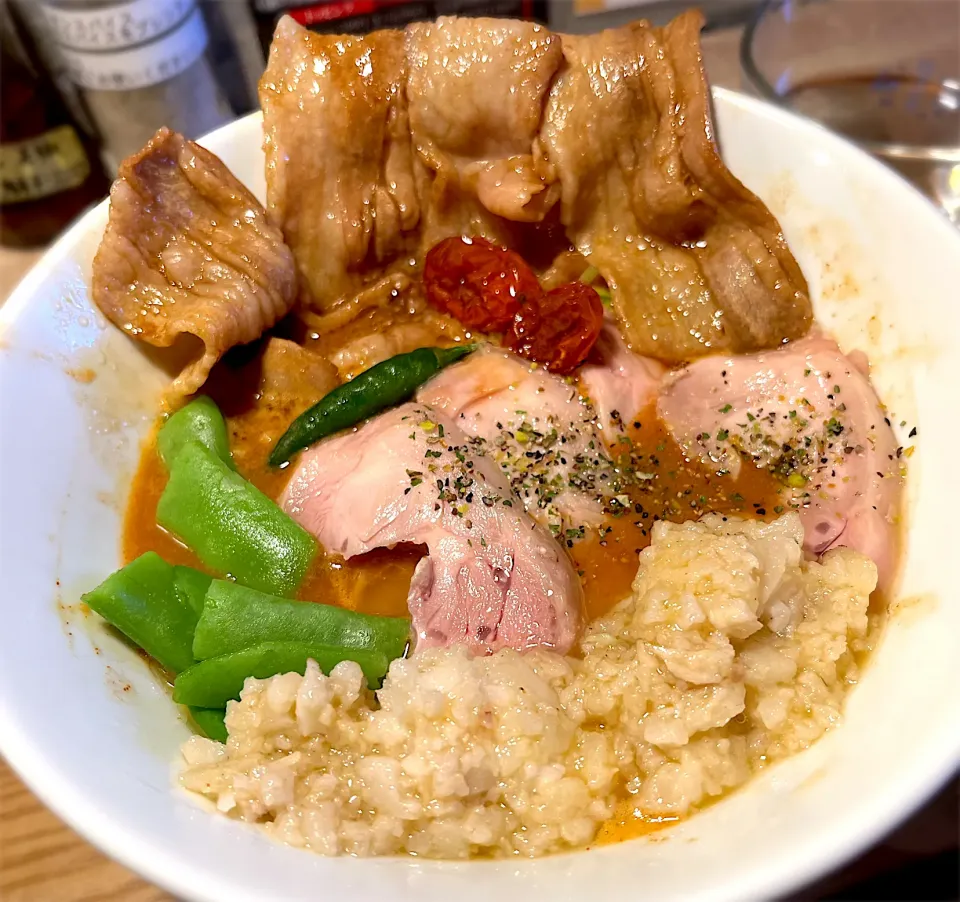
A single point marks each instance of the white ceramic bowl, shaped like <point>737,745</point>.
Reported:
<point>89,730</point>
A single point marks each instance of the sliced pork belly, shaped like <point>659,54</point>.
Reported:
<point>492,578</point>
<point>696,263</point>
<point>808,413</point>
<point>380,146</point>
<point>339,160</point>
<point>619,383</point>
<point>188,251</point>
<point>476,90</point>
<point>539,429</point>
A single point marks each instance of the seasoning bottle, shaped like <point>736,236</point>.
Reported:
<point>140,64</point>
<point>234,52</point>
<point>49,169</point>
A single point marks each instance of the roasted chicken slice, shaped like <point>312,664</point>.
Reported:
<point>809,414</point>
<point>492,577</point>
<point>538,428</point>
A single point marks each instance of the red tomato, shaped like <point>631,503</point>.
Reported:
<point>560,329</point>
<point>478,283</point>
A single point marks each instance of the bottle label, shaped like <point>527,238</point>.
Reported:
<point>360,16</point>
<point>38,167</point>
<point>128,45</point>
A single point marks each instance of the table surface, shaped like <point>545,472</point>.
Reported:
<point>42,859</point>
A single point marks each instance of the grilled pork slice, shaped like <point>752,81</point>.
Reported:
<point>380,146</point>
<point>188,251</point>
<point>695,262</point>
<point>492,577</point>
<point>339,160</point>
<point>476,89</point>
<point>808,413</point>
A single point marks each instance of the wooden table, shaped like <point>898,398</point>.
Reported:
<point>43,860</point>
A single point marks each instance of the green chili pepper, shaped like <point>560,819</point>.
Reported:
<point>212,683</point>
<point>235,617</point>
<point>192,586</point>
<point>232,526</point>
<point>199,421</point>
<point>385,385</point>
<point>209,721</point>
<point>141,600</point>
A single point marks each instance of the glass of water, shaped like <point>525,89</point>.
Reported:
<point>884,73</point>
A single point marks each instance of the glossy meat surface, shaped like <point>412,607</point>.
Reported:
<point>695,262</point>
<point>476,89</point>
<point>188,251</point>
<point>808,413</point>
<point>379,147</point>
<point>492,577</point>
<point>339,160</point>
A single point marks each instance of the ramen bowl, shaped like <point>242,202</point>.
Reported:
<point>93,732</point>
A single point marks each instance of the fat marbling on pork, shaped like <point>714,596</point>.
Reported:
<point>489,127</point>
<point>189,257</point>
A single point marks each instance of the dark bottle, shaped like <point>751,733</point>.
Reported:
<point>49,170</point>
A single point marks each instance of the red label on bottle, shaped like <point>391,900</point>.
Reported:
<point>363,16</point>
<point>329,12</point>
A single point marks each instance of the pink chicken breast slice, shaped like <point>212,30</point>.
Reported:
<point>492,577</point>
<point>555,445</point>
<point>536,426</point>
<point>619,383</point>
<point>809,414</point>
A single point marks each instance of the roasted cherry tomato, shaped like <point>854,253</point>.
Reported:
<point>478,283</point>
<point>560,329</point>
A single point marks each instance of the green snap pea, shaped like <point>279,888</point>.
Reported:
<point>210,722</point>
<point>156,606</point>
<point>141,600</point>
<point>199,421</point>
<point>385,385</point>
<point>214,682</point>
<point>235,617</point>
<point>232,526</point>
<point>192,586</point>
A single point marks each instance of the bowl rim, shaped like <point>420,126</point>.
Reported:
<point>802,864</point>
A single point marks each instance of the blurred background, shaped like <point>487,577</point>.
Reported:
<point>84,83</point>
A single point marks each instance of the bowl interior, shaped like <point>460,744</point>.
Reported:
<point>87,726</point>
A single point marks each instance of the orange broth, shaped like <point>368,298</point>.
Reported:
<point>377,583</point>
